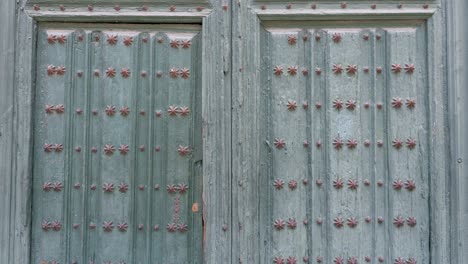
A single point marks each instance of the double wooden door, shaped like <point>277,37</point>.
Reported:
<point>243,132</point>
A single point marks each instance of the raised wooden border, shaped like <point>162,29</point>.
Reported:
<point>248,162</point>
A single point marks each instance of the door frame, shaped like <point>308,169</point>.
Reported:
<point>222,171</point>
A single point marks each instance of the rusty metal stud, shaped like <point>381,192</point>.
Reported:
<point>93,187</point>
<point>144,8</point>
<point>186,44</point>
<point>425,6</point>
<point>125,72</point>
<point>380,219</point>
<point>338,222</point>
<point>367,219</point>
<point>305,259</point>
<point>337,104</point>
<point>336,37</point>
<point>399,260</point>
<point>157,148</point>
<point>352,143</point>
<point>46,225</point>
<point>108,187</point>
<point>373,6</point>
<point>380,183</point>
<point>353,184</point>
<point>278,260</point>
<point>279,224</point>
<point>141,148</point>
<point>305,72</point>
<point>366,105</point>
<point>96,73</point>
<point>225,7</point>
<point>79,73</point>
<point>313,6</point>
<point>58,147</point>
<point>77,186</point>
<point>174,72</point>
<point>182,188</point>
<point>396,68</point>
<point>319,182</point>
<point>411,261</point>
<point>184,73</point>
<point>411,221</point>
<point>337,68</point>
<point>379,105</point>
<point>56,225</point>
<point>319,221</point>
<point>278,184</point>
<point>351,69</point>
<point>90,8</point>
<point>51,39</point>
<point>124,111</point>
<point>337,143</point>
<point>123,187</point>
<point>279,143</point>
<point>381,259</point>
<point>156,227</point>
<point>288,6</point>
<point>62,39</point>
<point>318,37</point>
<point>291,105</point>
<point>352,260</point>
<point>292,185</point>
<point>122,227</point>
<point>410,103</point>
<point>379,143</point>
<point>409,68</point>
<point>263,7</point>
<point>397,102</point>
<point>159,74</point>
<point>343,5</point>
<point>97,38</point>
<point>338,183</point>
<point>49,109</point>
<point>128,41</point>
<point>365,69</point>
<point>225,228</point>
<point>123,149</point>
<point>365,36</point>
<point>411,143</point>
<point>60,70</point>
<point>78,149</point>
<point>117,8</point>
<point>141,187</point>
<point>378,70</point>
<point>378,37</point>
<point>397,143</point>
<point>318,71</point>
<point>305,143</point>
<point>174,43</point>
<point>76,226</point>
<point>156,187</point>
<point>319,259</point>
<point>173,110</point>
<point>305,222</point>
<point>410,185</point>
<point>110,72</point>
<point>351,104</point>
<point>183,150</point>
<point>109,149</point>
<point>292,40</point>
<point>292,70</point>
<point>366,182</point>
<point>397,184</point>
<point>47,186</point>
<point>107,226</point>
<point>78,111</point>
<point>36,8</point>
<point>305,105</point>
<point>367,142</point>
<point>140,227</point>
<point>142,112</point>
<point>398,221</point>
<point>318,105</point>
<point>110,110</point>
<point>94,150</point>
<point>172,8</point>
<point>80,38</point>
<point>60,109</point>
<point>291,260</point>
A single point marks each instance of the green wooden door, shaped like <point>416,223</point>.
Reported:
<point>117,132</point>
<point>236,132</point>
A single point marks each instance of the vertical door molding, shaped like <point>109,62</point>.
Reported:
<point>215,17</point>
<point>253,147</point>
<point>457,77</point>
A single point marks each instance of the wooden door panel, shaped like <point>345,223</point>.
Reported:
<point>117,167</point>
<point>347,131</point>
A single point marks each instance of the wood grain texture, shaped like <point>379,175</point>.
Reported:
<point>457,58</point>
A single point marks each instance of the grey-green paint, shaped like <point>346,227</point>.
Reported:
<point>232,177</point>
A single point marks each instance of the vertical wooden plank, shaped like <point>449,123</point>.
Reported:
<point>7,92</point>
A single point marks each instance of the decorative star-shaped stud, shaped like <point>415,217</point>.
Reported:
<point>292,105</point>
<point>174,72</point>
<point>397,143</point>
<point>110,110</point>
<point>292,39</point>
<point>337,68</point>
<point>353,184</point>
<point>183,150</point>
<point>108,187</point>
<point>399,260</point>
<point>173,110</point>
<point>174,43</point>
<point>109,149</point>
<point>352,260</point>
<point>398,221</point>
<point>396,68</point>
<point>279,224</point>
<point>58,186</point>
<point>112,39</point>
<point>46,225</point>
<point>410,185</point>
<point>184,111</point>
<point>397,102</point>
<point>183,227</point>
<point>125,72</point>
<point>337,143</point>
<point>291,260</point>
<point>51,39</point>
<point>292,70</point>
<point>123,187</point>
<point>411,221</point>
<point>411,261</point>
<point>184,73</point>
<point>337,104</point>
<point>278,70</point>
<point>171,227</point>
<point>60,109</point>
<point>397,184</point>
<point>352,222</point>
<point>51,69</point>
<point>107,226</point>
<point>351,69</point>
<point>410,103</point>
<point>60,70</point>
<point>278,260</point>
<point>292,223</point>
<point>110,72</point>
<point>292,185</point>
<point>183,188</point>
<point>47,186</point>
<point>338,260</point>
<point>279,143</point>
<point>122,227</point>
<point>186,44</point>
<point>56,225</point>
<point>171,188</point>
<point>128,41</point>
<point>123,149</point>
<point>49,109</point>
<point>58,147</point>
<point>124,111</point>
<point>351,104</point>
<point>338,183</point>
<point>411,143</point>
<point>352,143</point>
<point>278,184</point>
<point>409,68</point>
<point>62,39</point>
<point>48,147</point>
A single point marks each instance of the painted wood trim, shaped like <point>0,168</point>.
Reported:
<point>7,93</point>
<point>457,77</point>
